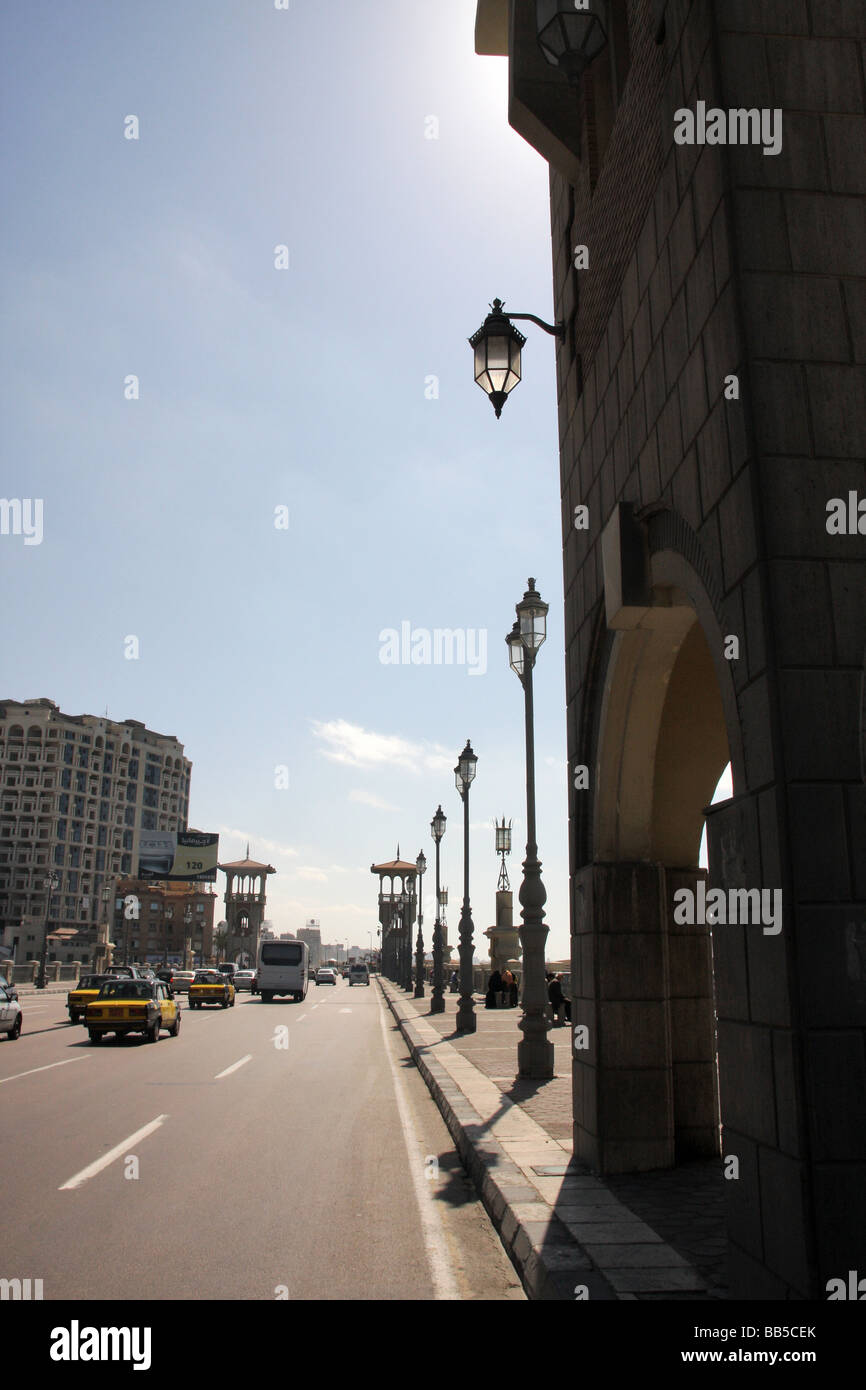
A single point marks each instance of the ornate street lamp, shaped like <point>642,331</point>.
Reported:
<point>503,847</point>
<point>497,345</point>
<point>464,776</point>
<point>571,34</point>
<point>535,1050</point>
<point>406,941</point>
<point>52,882</point>
<point>437,1001</point>
<point>421,866</point>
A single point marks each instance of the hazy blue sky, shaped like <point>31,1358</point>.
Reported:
<point>302,387</point>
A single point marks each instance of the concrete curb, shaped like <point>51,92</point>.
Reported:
<point>550,1262</point>
<point>567,1234</point>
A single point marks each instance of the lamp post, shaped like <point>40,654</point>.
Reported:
<point>404,979</point>
<point>52,882</point>
<point>464,776</point>
<point>437,999</point>
<point>187,929</point>
<point>497,346</point>
<point>535,1050</point>
<point>571,37</point>
<point>421,866</point>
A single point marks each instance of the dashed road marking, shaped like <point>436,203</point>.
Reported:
<point>234,1066</point>
<point>33,1070</point>
<point>119,1149</point>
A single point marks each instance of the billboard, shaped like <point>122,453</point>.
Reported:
<point>180,854</point>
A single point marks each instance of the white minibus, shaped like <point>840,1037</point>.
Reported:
<point>283,967</point>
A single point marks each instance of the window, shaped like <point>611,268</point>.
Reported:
<point>66,778</point>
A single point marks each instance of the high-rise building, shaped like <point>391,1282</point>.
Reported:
<point>311,933</point>
<point>75,793</point>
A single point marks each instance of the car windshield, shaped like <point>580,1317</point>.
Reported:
<point>126,989</point>
<point>90,982</point>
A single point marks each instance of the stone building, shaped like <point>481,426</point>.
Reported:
<point>76,790</point>
<point>712,405</point>
<point>175,923</point>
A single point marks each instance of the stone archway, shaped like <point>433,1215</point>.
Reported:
<point>645,1086</point>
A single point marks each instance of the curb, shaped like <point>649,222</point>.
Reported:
<point>550,1262</point>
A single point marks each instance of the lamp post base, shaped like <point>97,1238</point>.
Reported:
<point>535,1058</point>
<point>466,1021</point>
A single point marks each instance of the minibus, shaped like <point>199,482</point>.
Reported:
<point>282,967</point>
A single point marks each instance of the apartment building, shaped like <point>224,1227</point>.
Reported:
<point>75,793</point>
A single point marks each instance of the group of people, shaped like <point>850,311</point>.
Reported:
<point>502,990</point>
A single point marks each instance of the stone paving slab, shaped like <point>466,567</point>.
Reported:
<point>566,1233</point>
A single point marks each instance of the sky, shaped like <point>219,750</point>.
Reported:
<point>309,463</point>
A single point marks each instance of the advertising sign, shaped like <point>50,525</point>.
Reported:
<point>178,855</point>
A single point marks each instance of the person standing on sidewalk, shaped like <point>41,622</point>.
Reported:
<point>494,985</point>
<point>557,1000</point>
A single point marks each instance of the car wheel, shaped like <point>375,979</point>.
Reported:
<point>175,1028</point>
<point>233,1002</point>
<point>152,1034</point>
<point>15,1030</point>
<point>224,1003</point>
<point>95,1038</point>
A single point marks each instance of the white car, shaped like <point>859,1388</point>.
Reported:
<point>181,981</point>
<point>359,974</point>
<point>326,976</point>
<point>245,979</point>
<point>11,1016</point>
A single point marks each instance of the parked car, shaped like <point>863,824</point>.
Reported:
<point>211,987</point>
<point>245,979</point>
<point>84,993</point>
<point>11,1015</point>
<point>359,974</point>
<point>181,981</point>
<point>326,976</point>
<point>133,1006</point>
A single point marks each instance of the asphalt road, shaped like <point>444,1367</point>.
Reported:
<point>270,1151</point>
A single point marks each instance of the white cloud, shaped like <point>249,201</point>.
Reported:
<point>314,875</point>
<point>256,843</point>
<point>370,799</point>
<point>357,747</point>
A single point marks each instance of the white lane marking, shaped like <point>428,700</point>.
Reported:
<point>234,1066</point>
<point>345,1011</point>
<point>33,1070</point>
<point>117,1152</point>
<point>301,1018</point>
<point>444,1285</point>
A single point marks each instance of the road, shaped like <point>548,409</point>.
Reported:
<point>278,1150</point>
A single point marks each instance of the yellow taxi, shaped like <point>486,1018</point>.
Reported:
<point>133,1006</point>
<point>210,987</point>
<point>83,994</point>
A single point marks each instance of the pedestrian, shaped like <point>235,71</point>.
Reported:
<point>507,982</point>
<point>513,991</point>
<point>557,999</point>
<point>454,982</point>
<point>494,985</point>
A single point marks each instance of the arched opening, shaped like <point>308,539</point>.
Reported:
<point>646,1095</point>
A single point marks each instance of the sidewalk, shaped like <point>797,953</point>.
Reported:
<point>569,1234</point>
